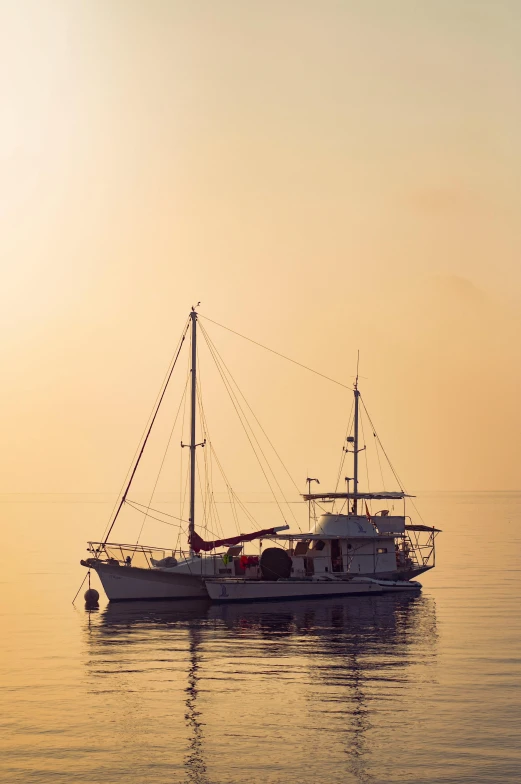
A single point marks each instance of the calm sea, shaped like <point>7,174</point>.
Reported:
<point>371,690</point>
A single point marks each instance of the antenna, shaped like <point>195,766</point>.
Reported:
<point>309,480</point>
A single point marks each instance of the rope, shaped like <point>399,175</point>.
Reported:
<point>157,407</point>
<point>255,417</point>
<point>400,483</point>
<point>365,455</point>
<point>266,348</point>
<point>379,461</point>
<point>81,586</point>
<point>163,461</point>
<point>234,497</point>
<point>208,465</point>
<point>213,349</point>
<point>151,509</point>
<point>344,453</point>
<point>237,408</point>
<point>184,530</point>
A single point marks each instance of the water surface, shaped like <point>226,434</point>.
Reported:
<point>368,689</point>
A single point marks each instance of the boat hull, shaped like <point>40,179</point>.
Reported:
<point>129,583</point>
<point>229,590</point>
<point>262,590</point>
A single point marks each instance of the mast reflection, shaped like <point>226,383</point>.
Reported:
<point>361,658</point>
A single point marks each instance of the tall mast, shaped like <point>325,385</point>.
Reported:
<point>355,445</point>
<point>193,445</point>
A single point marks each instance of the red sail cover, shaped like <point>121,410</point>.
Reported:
<point>197,544</point>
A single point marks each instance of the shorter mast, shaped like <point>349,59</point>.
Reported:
<point>355,446</point>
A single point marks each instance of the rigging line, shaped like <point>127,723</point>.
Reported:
<point>334,381</point>
<point>233,507</point>
<point>207,489</point>
<point>140,441</point>
<point>344,453</point>
<point>204,493</point>
<point>211,452</point>
<point>163,460</point>
<point>237,407</point>
<point>400,483</point>
<point>151,509</point>
<point>365,454</point>
<point>214,512</point>
<point>242,417</point>
<point>228,485</point>
<point>342,461</point>
<point>255,416</point>
<point>260,502</point>
<point>182,498</point>
<point>183,494</point>
<point>242,507</point>
<point>210,343</point>
<point>231,493</point>
<point>203,496</point>
<point>129,503</point>
<point>151,425</point>
<point>223,474</point>
<point>379,461</point>
<point>187,482</point>
<point>208,461</point>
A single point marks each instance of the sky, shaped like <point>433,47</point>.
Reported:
<point>325,177</point>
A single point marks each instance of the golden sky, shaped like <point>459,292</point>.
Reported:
<point>323,176</point>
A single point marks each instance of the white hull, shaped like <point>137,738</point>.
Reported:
<point>229,590</point>
<point>123,583</point>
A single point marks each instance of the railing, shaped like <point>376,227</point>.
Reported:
<point>420,553</point>
<point>409,554</point>
<point>135,554</point>
<point>147,557</point>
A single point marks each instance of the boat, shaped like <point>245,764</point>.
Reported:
<point>348,551</point>
<point>135,572</point>
<point>343,553</point>
<point>242,590</point>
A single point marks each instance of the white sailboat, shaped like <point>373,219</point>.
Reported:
<point>343,553</point>
<point>135,571</point>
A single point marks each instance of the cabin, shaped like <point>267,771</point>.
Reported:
<point>351,544</point>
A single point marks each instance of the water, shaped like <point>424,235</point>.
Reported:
<point>370,689</point>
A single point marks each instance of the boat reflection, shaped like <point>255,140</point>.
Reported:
<point>356,654</point>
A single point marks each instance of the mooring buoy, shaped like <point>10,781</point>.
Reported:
<point>91,596</point>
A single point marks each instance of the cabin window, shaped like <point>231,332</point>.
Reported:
<point>302,547</point>
<point>380,550</point>
<point>319,545</point>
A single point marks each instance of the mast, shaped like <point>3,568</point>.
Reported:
<point>355,445</point>
<point>193,445</point>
